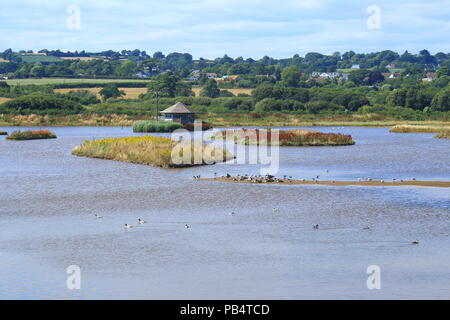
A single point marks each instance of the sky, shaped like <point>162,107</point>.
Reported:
<point>212,28</point>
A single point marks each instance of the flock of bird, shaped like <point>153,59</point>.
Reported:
<point>271,179</point>
<point>232,213</point>
<point>265,179</point>
<point>139,221</point>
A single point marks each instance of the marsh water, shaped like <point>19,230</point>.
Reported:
<point>48,199</point>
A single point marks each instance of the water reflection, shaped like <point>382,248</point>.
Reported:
<point>49,199</point>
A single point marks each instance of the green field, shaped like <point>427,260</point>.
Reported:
<point>396,70</point>
<point>45,81</point>
<point>34,59</point>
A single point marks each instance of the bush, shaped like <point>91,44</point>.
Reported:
<point>40,104</point>
<point>31,135</point>
<point>83,97</point>
<point>156,126</point>
<point>225,93</point>
<point>316,107</point>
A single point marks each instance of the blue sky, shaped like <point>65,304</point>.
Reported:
<point>212,28</point>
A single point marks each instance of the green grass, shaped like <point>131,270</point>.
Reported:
<point>156,126</point>
<point>42,59</point>
<point>50,81</point>
<point>396,70</point>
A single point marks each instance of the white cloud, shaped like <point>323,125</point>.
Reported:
<point>211,28</point>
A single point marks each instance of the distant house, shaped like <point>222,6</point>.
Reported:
<point>390,75</point>
<point>211,75</point>
<point>142,75</point>
<point>179,113</point>
<point>195,75</point>
<point>431,76</point>
<point>227,78</point>
<point>355,67</point>
<point>325,75</point>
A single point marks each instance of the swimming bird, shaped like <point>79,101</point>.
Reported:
<point>316,227</point>
<point>275,209</point>
<point>140,221</point>
<point>415,242</point>
<point>186,226</point>
<point>127,226</point>
<point>232,213</point>
<point>366,228</point>
<point>98,217</point>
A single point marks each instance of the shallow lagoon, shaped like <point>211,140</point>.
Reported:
<point>49,198</point>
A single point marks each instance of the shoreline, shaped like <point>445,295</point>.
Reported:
<point>372,183</point>
<point>387,124</point>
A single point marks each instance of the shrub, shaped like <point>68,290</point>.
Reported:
<point>156,126</point>
<point>40,104</point>
<point>31,135</point>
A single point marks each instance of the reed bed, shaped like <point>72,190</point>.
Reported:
<point>156,126</point>
<point>443,132</point>
<point>31,135</point>
<point>148,150</point>
<point>292,137</point>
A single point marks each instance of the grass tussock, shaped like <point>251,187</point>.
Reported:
<point>3,133</point>
<point>31,135</point>
<point>443,132</point>
<point>293,137</point>
<point>156,126</point>
<point>85,119</point>
<point>150,150</point>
